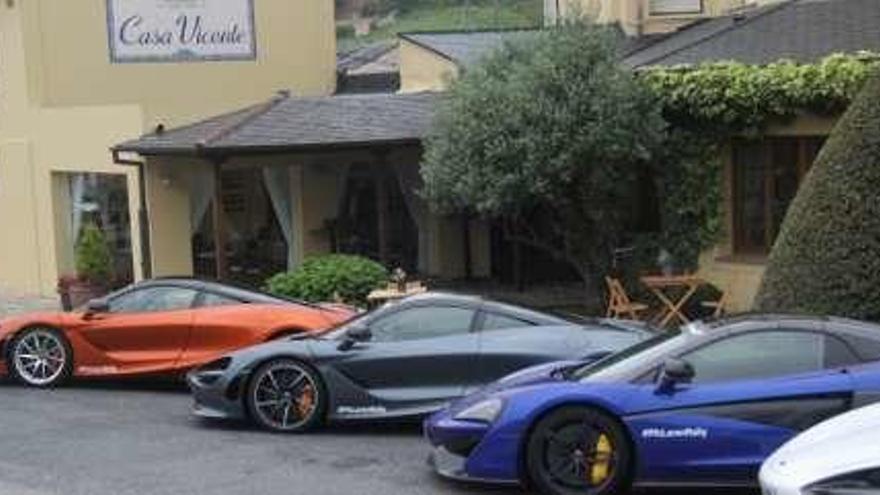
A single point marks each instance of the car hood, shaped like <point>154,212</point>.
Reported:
<point>847,443</point>
<point>543,373</point>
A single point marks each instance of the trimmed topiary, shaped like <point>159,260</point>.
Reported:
<point>826,259</point>
<point>324,278</point>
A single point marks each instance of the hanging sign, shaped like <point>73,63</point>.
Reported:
<point>181,30</point>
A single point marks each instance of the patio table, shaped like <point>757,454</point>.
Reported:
<point>391,293</point>
<point>663,286</point>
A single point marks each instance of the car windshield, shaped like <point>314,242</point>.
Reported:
<point>618,364</point>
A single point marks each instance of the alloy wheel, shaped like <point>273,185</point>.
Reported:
<point>285,396</point>
<point>39,357</point>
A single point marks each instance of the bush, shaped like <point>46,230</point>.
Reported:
<point>93,260</point>
<point>322,278</point>
<point>825,260</point>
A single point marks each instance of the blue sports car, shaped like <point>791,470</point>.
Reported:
<point>704,405</point>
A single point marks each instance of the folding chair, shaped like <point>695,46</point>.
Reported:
<point>619,303</point>
<point>720,306</point>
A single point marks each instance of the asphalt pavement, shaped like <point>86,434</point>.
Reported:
<point>140,439</point>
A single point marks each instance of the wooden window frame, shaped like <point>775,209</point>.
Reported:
<point>739,247</point>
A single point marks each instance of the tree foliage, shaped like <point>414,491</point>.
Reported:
<point>825,260</point>
<point>552,135</point>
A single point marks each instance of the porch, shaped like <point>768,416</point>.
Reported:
<point>245,195</point>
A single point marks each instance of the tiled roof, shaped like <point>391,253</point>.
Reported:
<point>799,30</point>
<point>290,124</point>
<point>466,48</point>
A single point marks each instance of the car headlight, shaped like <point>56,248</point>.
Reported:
<point>486,411</point>
<point>862,481</point>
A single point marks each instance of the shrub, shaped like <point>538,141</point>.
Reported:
<point>825,260</point>
<point>93,260</point>
<point>322,278</point>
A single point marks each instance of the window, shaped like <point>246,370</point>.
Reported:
<point>766,176</point>
<point>210,299</point>
<point>662,7</point>
<point>765,355</point>
<point>495,321</point>
<point>153,299</point>
<point>422,323</point>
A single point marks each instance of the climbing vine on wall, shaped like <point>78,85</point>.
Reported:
<point>732,97</point>
<point>708,104</point>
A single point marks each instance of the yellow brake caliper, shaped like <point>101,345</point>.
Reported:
<point>601,467</point>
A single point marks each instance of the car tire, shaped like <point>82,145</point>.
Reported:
<point>578,450</point>
<point>286,395</point>
<point>39,357</point>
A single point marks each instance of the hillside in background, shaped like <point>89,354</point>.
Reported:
<point>360,22</point>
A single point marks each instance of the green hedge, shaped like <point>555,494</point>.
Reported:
<point>826,259</point>
<point>323,278</point>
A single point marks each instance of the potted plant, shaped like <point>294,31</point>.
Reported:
<point>93,270</point>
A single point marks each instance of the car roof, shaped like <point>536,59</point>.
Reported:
<point>438,297</point>
<point>227,289</point>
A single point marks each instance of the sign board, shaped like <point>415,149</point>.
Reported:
<point>181,30</point>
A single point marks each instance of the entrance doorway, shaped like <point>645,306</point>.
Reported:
<point>374,220</point>
<point>255,244</point>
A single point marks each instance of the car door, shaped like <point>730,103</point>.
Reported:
<point>417,356</point>
<point>146,329</point>
<point>509,344</point>
<point>219,326</point>
<point>752,391</point>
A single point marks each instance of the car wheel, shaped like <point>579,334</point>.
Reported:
<point>286,395</point>
<point>578,451</point>
<point>40,357</point>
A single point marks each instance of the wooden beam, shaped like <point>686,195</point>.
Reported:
<point>219,224</point>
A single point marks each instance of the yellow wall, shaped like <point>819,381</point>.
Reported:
<point>64,105</point>
<point>424,70</point>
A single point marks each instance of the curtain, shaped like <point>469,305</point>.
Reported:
<point>201,194</point>
<point>77,197</point>
<point>277,181</point>
<point>410,181</point>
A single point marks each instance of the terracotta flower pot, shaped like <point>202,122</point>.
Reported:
<point>75,292</point>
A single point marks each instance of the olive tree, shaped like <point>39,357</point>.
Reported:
<point>552,136</point>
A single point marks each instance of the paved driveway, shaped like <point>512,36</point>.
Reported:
<point>117,439</point>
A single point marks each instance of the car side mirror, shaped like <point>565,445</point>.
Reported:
<point>96,307</point>
<point>359,333</point>
<point>675,371</point>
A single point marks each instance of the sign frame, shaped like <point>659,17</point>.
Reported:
<point>116,58</point>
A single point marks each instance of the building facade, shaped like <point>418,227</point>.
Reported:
<point>81,76</point>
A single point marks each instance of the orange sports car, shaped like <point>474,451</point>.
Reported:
<point>155,327</point>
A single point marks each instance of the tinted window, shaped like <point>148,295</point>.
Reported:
<point>153,299</point>
<point>758,355</point>
<point>211,299</point>
<point>495,321</point>
<point>837,354</point>
<point>422,323</point>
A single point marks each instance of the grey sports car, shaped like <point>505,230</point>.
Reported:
<point>405,359</point>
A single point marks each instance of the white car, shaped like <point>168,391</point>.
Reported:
<point>838,457</point>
